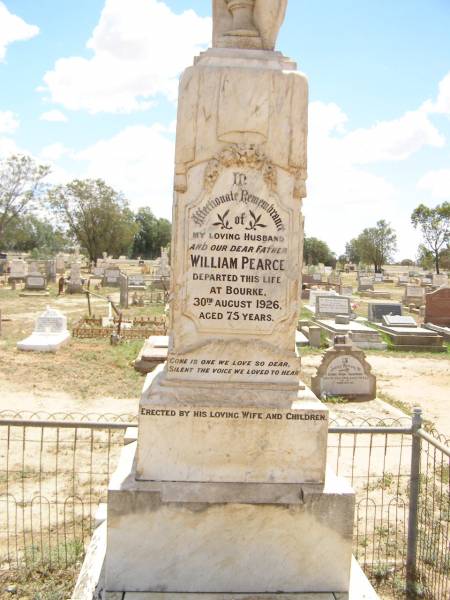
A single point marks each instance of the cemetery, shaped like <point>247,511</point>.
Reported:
<point>219,407</point>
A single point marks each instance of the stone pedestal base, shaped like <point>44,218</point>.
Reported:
<point>205,434</point>
<point>226,538</point>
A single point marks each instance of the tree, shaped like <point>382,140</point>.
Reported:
<point>29,233</point>
<point>316,251</point>
<point>374,246</point>
<point>434,224</point>
<point>352,252</point>
<point>152,234</point>
<point>96,216</point>
<point>21,185</point>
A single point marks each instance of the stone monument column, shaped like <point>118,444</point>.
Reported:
<point>226,491</point>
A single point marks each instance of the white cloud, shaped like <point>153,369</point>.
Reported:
<point>137,161</point>
<point>139,48</point>
<point>8,122</point>
<point>7,147</point>
<point>54,152</point>
<point>442,103</point>
<point>13,29</point>
<point>54,116</point>
<point>397,139</point>
<point>437,183</point>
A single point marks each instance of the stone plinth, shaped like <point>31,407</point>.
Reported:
<point>362,336</point>
<point>227,538</point>
<point>152,354</point>
<point>414,338</point>
<point>237,441</point>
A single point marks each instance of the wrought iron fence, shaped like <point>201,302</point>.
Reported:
<point>54,472</point>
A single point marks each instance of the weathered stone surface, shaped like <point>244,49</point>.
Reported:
<point>152,354</point>
<point>345,372</point>
<point>437,309</point>
<point>50,333</point>
<point>227,538</point>
<point>248,23</point>
<point>35,281</point>
<point>238,440</point>
<point>362,336</point>
<point>330,306</point>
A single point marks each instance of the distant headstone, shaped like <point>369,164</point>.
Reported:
<point>123,284</point>
<point>51,270</point>
<point>344,372</point>
<point>317,277</point>
<point>398,321</point>
<point>402,280</point>
<point>75,285</point>
<point>19,269</point>
<point>330,306</point>
<point>313,294</point>
<point>441,279</point>
<point>376,310</point>
<point>346,290</point>
<point>414,294</point>
<point>98,272</point>
<point>111,277</point>
<point>60,264</point>
<point>365,283</point>
<point>378,277</point>
<point>437,307</point>
<point>49,334</point>
<point>136,281</point>
<point>36,282</point>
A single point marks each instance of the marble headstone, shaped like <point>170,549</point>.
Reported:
<point>49,334</point>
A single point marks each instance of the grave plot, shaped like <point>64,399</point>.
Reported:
<point>405,334</point>
<point>135,328</point>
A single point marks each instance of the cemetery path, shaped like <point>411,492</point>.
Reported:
<point>406,381</point>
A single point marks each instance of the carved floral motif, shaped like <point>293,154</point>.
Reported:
<point>241,155</point>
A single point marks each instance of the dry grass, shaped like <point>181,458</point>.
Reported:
<point>83,368</point>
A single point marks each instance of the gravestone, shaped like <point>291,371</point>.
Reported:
<point>136,282</point>
<point>111,277</point>
<point>344,372</point>
<point>18,270</point>
<point>163,271</point>
<point>60,264</point>
<point>376,310</point>
<point>440,280</point>
<point>365,283</point>
<point>231,451</point>
<point>98,272</point>
<point>402,280</point>
<point>49,334</point>
<point>313,295</point>
<point>75,284</point>
<point>346,290</point>
<point>437,307</point>
<point>362,336</point>
<point>34,281</point>
<point>330,306</point>
<point>51,270</point>
<point>123,285</point>
<point>414,294</point>
<point>378,277</point>
<point>399,321</point>
<point>317,277</point>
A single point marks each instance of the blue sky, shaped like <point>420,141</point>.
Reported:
<point>90,87</point>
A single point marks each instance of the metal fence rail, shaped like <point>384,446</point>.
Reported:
<point>54,471</point>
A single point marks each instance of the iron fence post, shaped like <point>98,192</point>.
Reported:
<point>414,490</point>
